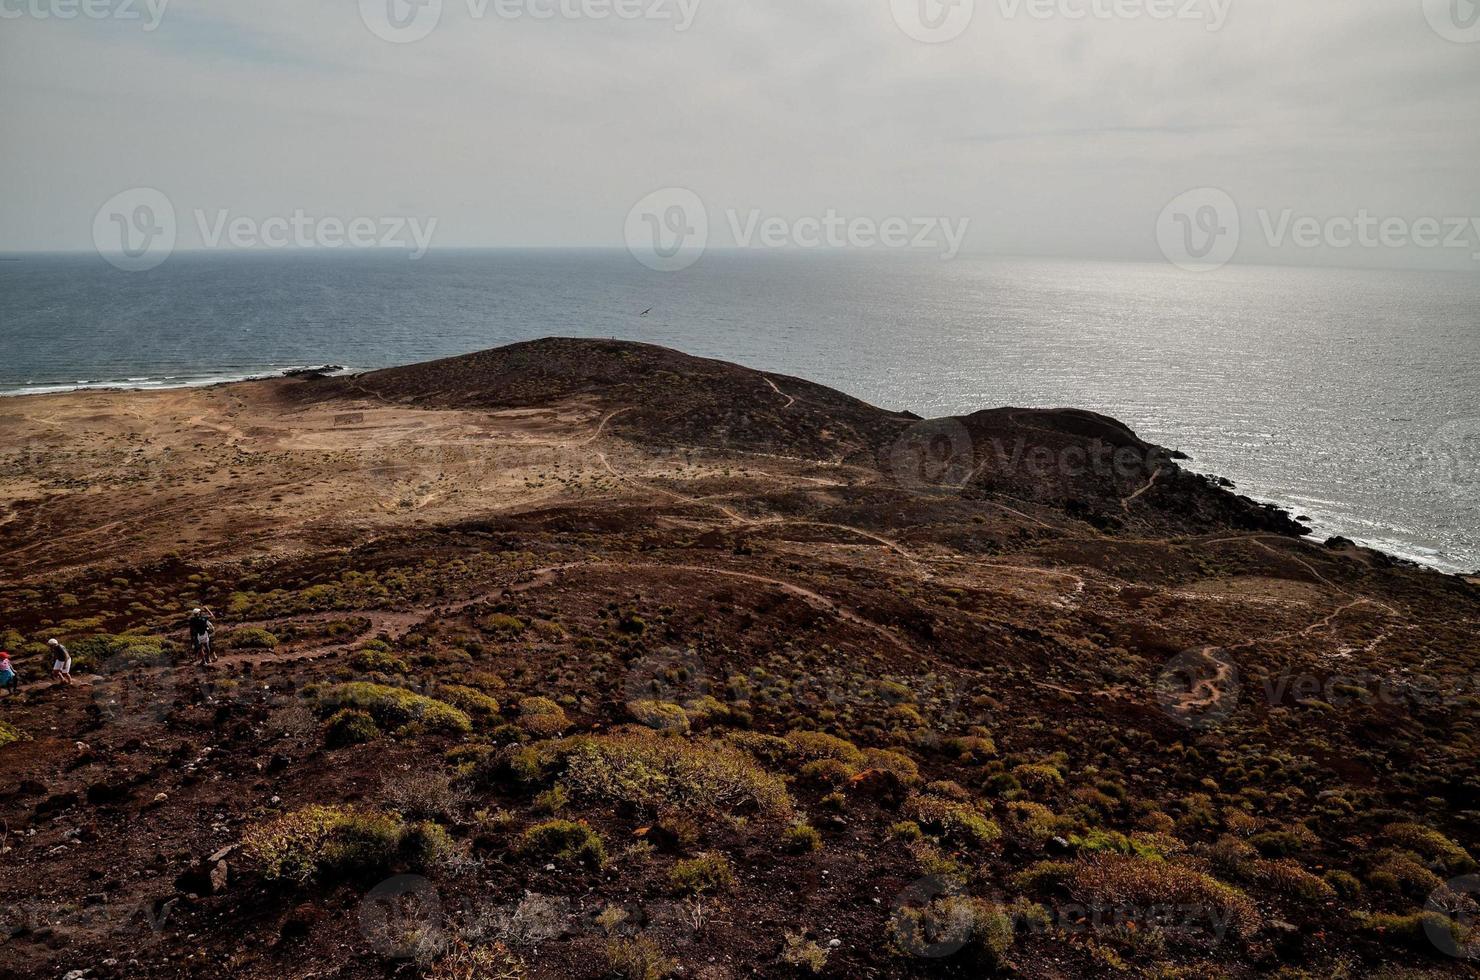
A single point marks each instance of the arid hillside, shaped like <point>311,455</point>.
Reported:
<point>591,659</point>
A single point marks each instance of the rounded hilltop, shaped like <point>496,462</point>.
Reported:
<point>1083,463</point>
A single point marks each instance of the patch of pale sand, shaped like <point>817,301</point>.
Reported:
<point>1255,588</point>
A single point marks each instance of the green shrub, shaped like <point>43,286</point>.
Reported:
<point>1040,778</point>
<point>767,748</point>
<point>9,734</point>
<point>1134,881</point>
<point>564,840</point>
<point>251,638</point>
<point>395,707</point>
<point>322,840</point>
<point>1431,844</point>
<point>469,700</point>
<point>378,662</point>
<point>705,873</point>
<point>820,745</point>
<point>657,772</point>
<point>803,953</point>
<point>828,772</point>
<point>957,823</point>
<point>976,929</point>
<point>350,726</point>
<point>801,838</point>
<point>542,717</point>
<point>426,844</point>
<point>661,715</point>
<point>1416,929</point>
<point>638,958</point>
<point>504,624</point>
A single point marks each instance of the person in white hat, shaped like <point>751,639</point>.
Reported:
<point>61,661</point>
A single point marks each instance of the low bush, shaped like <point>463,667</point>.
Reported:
<point>638,958</point>
<point>954,925</point>
<point>250,638</point>
<point>1431,844</point>
<point>350,726</point>
<point>705,873</point>
<point>378,662</point>
<point>655,772</point>
<point>9,733</point>
<point>660,715</point>
<point>460,961</point>
<point>325,840</point>
<point>469,700</point>
<point>542,717</point>
<point>564,840</point>
<point>953,822</point>
<point>801,838</point>
<point>1133,881</point>
<point>809,746</point>
<point>395,707</point>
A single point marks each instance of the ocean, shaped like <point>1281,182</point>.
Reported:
<point>1352,397</point>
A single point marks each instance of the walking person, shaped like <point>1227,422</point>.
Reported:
<point>10,678</point>
<point>61,662</point>
<point>201,625</point>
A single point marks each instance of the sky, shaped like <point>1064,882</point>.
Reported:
<point>1026,127</point>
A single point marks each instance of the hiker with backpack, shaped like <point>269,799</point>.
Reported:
<point>10,678</point>
<point>201,625</point>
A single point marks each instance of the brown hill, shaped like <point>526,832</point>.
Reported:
<point>1089,466</point>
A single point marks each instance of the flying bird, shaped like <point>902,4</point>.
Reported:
<point>646,311</point>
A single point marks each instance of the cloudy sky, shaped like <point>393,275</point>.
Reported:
<point>1054,130</point>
